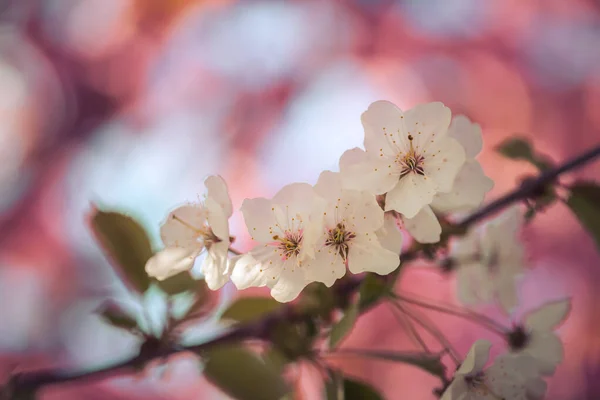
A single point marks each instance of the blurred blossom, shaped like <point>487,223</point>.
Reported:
<point>23,310</point>
<point>256,43</point>
<point>321,123</point>
<point>142,173</point>
<point>28,82</point>
<point>448,19</point>
<point>562,53</point>
<point>13,98</point>
<point>89,341</point>
<point>89,29</point>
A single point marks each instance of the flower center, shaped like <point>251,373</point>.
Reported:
<point>411,161</point>
<point>289,244</point>
<point>205,233</point>
<point>338,238</point>
<point>517,338</point>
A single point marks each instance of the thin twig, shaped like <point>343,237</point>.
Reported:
<point>260,328</point>
<point>469,315</point>
<point>439,336</point>
<point>409,327</point>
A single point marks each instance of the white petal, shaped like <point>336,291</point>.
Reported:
<point>297,198</point>
<point>352,157</point>
<point>457,390</point>
<point>385,131</point>
<point>427,123</point>
<point>508,375</point>
<point>469,189</point>
<point>290,283</point>
<point>468,135</point>
<point>170,262</point>
<point>465,248</point>
<point>365,213</point>
<point>424,227</point>
<point>215,265</point>
<point>468,277</point>
<point>443,161</point>
<point>549,316</point>
<point>182,225</point>
<point>536,388</point>
<point>374,175</point>
<point>367,254</point>
<point>260,219</point>
<point>547,350</point>
<point>390,235</point>
<point>217,190</point>
<point>257,268</point>
<point>476,358</point>
<point>329,185</point>
<point>410,195</point>
<point>327,267</point>
<point>217,220</point>
<point>506,288</point>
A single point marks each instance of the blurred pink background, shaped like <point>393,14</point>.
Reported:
<point>131,103</point>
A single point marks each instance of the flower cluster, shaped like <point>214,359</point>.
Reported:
<point>534,352</point>
<point>416,167</point>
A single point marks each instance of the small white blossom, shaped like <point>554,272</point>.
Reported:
<point>192,229</point>
<point>490,260</point>
<point>349,237</point>
<point>471,184</point>
<point>288,227</point>
<point>468,190</point>
<point>509,377</point>
<point>535,335</point>
<point>409,156</point>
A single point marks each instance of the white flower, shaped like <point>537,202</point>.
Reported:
<point>287,227</point>
<point>349,237</point>
<point>193,228</point>
<point>468,190</point>
<point>408,155</point>
<point>535,336</point>
<point>509,377</point>
<point>490,260</point>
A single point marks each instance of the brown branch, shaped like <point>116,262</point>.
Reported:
<point>260,329</point>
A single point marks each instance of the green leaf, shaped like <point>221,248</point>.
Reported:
<point>584,201</point>
<point>357,390</point>
<point>425,361</point>
<point>242,375</point>
<point>250,308</point>
<point>371,290</point>
<point>126,244</point>
<point>344,325</point>
<point>182,282</point>
<point>117,317</point>
<point>520,149</point>
<point>275,359</point>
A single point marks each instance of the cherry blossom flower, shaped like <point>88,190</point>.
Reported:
<point>349,233</point>
<point>509,377</point>
<point>288,227</point>
<point>408,156</point>
<point>535,335</point>
<point>468,190</point>
<point>489,261</point>
<point>192,229</point>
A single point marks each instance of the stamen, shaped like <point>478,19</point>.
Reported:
<point>289,244</point>
<point>339,238</point>
<point>411,161</point>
